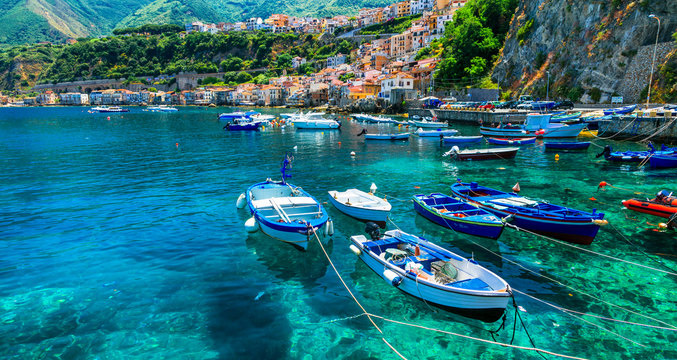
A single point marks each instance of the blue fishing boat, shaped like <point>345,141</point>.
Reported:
<point>633,156</point>
<point>236,115</point>
<point>462,139</point>
<point>663,161</point>
<point>242,124</point>
<point>555,221</point>
<point>514,141</point>
<point>620,110</point>
<point>285,211</point>
<point>565,117</point>
<point>402,136</point>
<point>433,274</point>
<point>457,215</point>
<point>583,145</point>
<point>536,124</point>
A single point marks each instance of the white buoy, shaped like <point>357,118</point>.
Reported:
<point>373,188</point>
<point>352,153</point>
<point>250,225</point>
<point>241,201</point>
<point>296,147</point>
<point>355,250</point>
<point>330,227</point>
<point>392,278</point>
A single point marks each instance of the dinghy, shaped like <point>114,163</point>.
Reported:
<point>633,156</point>
<point>433,274</point>
<point>555,221</point>
<point>285,212</point>
<point>457,215</point>
<point>462,139</point>
<point>427,124</point>
<point>515,141</point>
<point>435,133</point>
<point>620,110</point>
<point>663,205</point>
<point>482,154</point>
<point>403,136</point>
<point>361,205</point>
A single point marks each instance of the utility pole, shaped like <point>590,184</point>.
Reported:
<point>648,94</point>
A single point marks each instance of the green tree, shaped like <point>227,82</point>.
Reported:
<point>243,77</point>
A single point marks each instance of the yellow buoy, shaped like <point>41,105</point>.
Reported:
<point>556,157</point>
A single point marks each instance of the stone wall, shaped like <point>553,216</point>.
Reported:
<point>636,76</point>
<point>641,128</point>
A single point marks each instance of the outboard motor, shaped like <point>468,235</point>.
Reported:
<point>364,131</point>
<point>651,147</point>
<point>606,152</point>
<point>373,230</point>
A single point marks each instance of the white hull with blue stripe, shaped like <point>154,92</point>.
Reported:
<point>434,274</point>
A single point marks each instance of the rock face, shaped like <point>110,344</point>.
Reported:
<point>591,49</point>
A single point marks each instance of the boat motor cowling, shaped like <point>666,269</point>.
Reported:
<point>606,152</point>
<point>373,230</point>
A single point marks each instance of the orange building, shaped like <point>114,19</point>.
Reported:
<point>279,20</point>
<point>403,8</point>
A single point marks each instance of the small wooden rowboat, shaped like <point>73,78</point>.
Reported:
<point>433,274</point>
<point>515,141</point>
<point>361,205</point>
<point>482,154</point>
<point>457,215</point>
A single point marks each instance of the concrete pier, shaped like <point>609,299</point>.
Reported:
<point>662,128</point>
<point>474,116</point>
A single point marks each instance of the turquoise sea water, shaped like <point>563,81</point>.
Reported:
<point>120,239</point>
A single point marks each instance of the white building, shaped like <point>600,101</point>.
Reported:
<point>441,21</point>
<point>297,61</point>
<point>395,81</point>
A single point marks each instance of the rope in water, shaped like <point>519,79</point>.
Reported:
<point>476,339</point>
<point>370,316</point>
<point>640,250</point>
<point>353,296</point>
<point>590,251</point>
<point>593,315</point>
<point>391,197</point>
<point>570,287</point>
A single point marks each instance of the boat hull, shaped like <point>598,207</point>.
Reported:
<point>485,307</point>
<point>462,139</point>
<point>386,136</point>
<point>362,214</point>
<point>436,133</point>
<point>487,155</point>
<point>429,125</point>
<point>243,127</point>
<point>663,161</point>
<point>650,207</point>
<point>517,141</point>
<point>486,229</point>
<point>577,231</point>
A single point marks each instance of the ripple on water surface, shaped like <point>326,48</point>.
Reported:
<point>120,239</point>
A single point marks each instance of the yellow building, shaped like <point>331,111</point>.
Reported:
<point>403,8</point>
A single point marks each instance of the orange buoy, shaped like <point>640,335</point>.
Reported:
<point>417,187</point>
<point>516,188</point>
<point>177,144</point>
<point>593,199</point>
<point>602,184</point>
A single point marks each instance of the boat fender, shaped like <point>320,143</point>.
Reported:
<point>241,201</point>
<point>600,222</point>
<point>392,278</point>
<point>355,250</point>
<point>330,227</point>
<point>250,225</point>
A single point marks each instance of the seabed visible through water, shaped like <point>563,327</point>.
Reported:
<point>121,239</point>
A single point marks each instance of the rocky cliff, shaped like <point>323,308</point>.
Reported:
<point>590,50</point>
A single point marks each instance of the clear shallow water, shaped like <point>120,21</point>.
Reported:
<point>120,239</point>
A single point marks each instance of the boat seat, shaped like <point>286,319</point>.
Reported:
<point>283,202</point>
<point>471,284</point>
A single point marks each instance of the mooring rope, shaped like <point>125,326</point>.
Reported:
<point>640,250</point>
<point>590,251</point>
<point>593,315</point>
<point>353,296</point>
<point>572,288</point>
<point>475,338</point>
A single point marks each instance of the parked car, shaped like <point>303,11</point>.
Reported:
<point>506,104</point>
<point>488,105</point>
<point>566,104</point>
<point>525,105</point>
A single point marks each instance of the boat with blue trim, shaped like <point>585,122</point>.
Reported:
<point>237,115</point>
<point>285,212</point>
<point>433,274</point>
<point>462,139</point>
<point>457,215</point>
<point>620,110</point>
<point>663,161</point>
<point>361,205</point>
<point>242,124</point>
<point>536,124</point>
<point>634,156</point>
<point>513,141</point>
<point>435,133</point>
<point>551,220</point>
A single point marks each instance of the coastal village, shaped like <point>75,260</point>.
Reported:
<point>381,67</point>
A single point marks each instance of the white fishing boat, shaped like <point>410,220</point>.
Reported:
<point>435,133</point>
<point>285,212</point>
<point>428,124</point>
<point>108,109</point>
<point>361,205</point>
<point>162,108</point>
<point>432,273</point>
<point>315,123</point>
